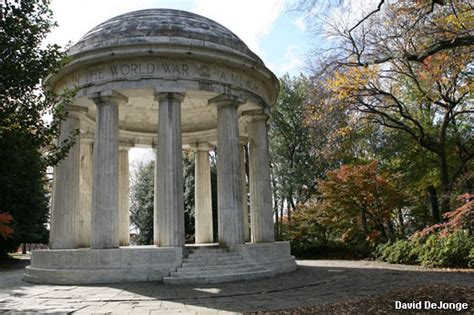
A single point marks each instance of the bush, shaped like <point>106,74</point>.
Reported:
<point>452,250</point>
<point>328,250</point>
<point>398,252</point>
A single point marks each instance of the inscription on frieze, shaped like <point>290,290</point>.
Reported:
<point>166,69</point>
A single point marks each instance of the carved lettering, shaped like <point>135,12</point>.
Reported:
<point>125,69</point>
<point>168,68</point>
<point>150,68</point>
<point>223,77</point>
<point>96,74</point>
<point>134,68</point>
<point>114,70</point>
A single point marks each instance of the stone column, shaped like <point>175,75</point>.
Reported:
<point>230,217</point>
<point>124,190</point>
<point>245,206</point>
<point>105,196</point>
<point>260,184</point>
<point>202,195</point>
<point>85,193</point>
<point>65,211</point>
<point>169,204</point>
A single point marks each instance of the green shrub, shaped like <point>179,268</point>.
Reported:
<point>398,252</point>
<point>471,258</point>
<point>453,250</point>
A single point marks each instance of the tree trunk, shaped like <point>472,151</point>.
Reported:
<point>434,203</point>
<point>23,248</point>
<point>288,207</point>
<point>282,209</point>
<point>401,222</point>
<point>445,188</point>
<point>363,221</point>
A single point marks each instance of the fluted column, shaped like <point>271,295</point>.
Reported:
<point>230,217</point>
<point>65,211</point>
<point>260,185</point>
<point>124,190</point>
<point>169,204</point>
<point>245,205</point>
<point>202,194</point>
<point>105,196</point>
<point>85,193</point>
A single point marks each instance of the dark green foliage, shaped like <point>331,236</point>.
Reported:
<point>328,250</point>
<point>142,204</point>
<point>188,195</point>
<point>447,251</point>
<point>26,140</point>
<point>453,250</point>
<point>295,167</point>
<point>398,252</point>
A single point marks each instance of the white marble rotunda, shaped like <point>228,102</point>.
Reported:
<point>163,79</point>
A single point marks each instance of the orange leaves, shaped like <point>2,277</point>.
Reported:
<point>457,219</point>
<point>5,230</point>
<point>361,193</point>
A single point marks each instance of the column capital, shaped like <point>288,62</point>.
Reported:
<point>124,146</point>
<point>107,96</point>
<point>175,94</point>
<point>226,100</point>
<point>201,146</point>
<point>254,115</point>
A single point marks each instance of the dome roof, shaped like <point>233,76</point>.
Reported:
<point>152,25</point>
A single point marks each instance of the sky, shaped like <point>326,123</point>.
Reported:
<point>275,33</point>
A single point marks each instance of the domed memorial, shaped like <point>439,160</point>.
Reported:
<point>163,79</point>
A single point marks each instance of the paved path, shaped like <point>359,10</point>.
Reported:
<point>315,282</point>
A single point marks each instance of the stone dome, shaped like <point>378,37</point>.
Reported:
<point>162,27</point>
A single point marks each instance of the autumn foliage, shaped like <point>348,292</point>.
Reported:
<point>456,220</point>
<point>5,230</point>
<point>361,199</point>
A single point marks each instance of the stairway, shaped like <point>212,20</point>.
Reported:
<point>214,264</point>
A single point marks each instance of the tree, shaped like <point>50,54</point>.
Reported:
<point>294,162</point>
<point>188,196</point>
<point>359,198</point>
<point>5,220</point>
<point>409,67</point>
<point>27,144</point>
<point>142,199</point>
<point>142,202</point>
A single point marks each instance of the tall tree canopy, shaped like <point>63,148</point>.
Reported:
<point>408,66</point>
<point>27,144</point>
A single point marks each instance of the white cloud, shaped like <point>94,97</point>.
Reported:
<point>76,18</point>
<point>300,22</point>
<point>293,61</point>
<point>348,14</point>
<point>251,20</point>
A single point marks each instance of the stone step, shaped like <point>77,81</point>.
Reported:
<point>218,278</point>
<point>214,267</point>
<point>207,251</point>
<point>212,262</point>
<point>231,270</point>
<point>212,256</point>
